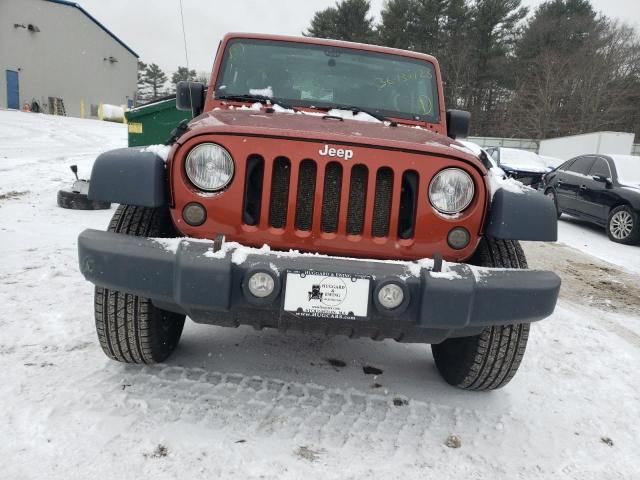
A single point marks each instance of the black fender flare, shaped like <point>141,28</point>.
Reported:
<point>130,176</point>
<point>527,215</point>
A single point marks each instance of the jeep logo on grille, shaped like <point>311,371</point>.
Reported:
<point>336,152</point>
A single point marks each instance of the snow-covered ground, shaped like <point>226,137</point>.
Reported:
<point>243,404</point>
<point>593,240</point>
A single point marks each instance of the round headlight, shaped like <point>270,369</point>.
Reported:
<point>209,167</point>
<point>451,191</point>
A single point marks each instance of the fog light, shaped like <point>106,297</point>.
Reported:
<point>391,296</point>
<point>261,284</point>
<point>194,214</point>
<point>459,238</point>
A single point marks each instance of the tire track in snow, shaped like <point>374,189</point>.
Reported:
<point>248,407</point>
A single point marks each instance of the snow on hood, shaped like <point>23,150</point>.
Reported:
<point>474,147</point>
<point>522,160</point>
<point>349,115</point>
<point>335,112</point>
<point>551,162</point>
<point>256,107</point>
<point>161,150</point>
<point>360,127</point>
<point>262,92</point>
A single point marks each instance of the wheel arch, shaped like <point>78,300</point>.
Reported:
<point>130,176</point>
<point>620,203</point>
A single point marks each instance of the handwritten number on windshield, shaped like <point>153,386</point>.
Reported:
<point>403,77</point>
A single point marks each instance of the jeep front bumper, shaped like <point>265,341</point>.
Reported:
<point>211,287</point>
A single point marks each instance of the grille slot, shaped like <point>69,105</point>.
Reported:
<point>357,199</point>
<point>331,197</point>
<point>382,202</point>
<point>408,205</point>
<point>279,192</point>
<point>305,195</point>
<point>347,208</point>
<point>253,190</point>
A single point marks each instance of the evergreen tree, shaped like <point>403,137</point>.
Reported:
<point>494,30</point>
<point>155,79</point>
<point>575,72</point>
<point>397,27</point>
<point>427,26</point>
<point>183,75</point>
<point>142,91</point>
<point>455,59</point>
<point>563,26</point>
<point>348,20</point>
<point>324,24</point>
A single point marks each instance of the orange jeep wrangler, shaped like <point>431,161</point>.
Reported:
<point>319,187</point>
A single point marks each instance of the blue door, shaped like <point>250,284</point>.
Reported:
<point>13,90</point>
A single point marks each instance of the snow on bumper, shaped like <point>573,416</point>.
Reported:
<point>211,287</point>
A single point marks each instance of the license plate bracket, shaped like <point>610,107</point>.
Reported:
<point>314,294</point>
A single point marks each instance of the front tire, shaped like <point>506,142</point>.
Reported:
<point>623,226</point>
<point>130,328</point>
<point>490,360</point>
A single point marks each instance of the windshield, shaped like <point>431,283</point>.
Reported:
<point>628,168</point>
<point>315,75</point>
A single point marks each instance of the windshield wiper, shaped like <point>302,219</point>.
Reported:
<point>357,110</point>
<point>256,98</point>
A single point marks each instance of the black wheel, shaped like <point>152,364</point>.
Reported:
<point>490,360</point>
<point>130,328</point>
<point>552,195</point>
<point>79,201</point>
<point>623,225</point>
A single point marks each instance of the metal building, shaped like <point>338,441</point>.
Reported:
<point>56,56</point>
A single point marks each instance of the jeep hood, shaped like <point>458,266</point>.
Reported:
<point>322,129</point>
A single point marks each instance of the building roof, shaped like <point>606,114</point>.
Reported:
<point>94,20</point>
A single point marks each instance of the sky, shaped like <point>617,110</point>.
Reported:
<point>153,29</point>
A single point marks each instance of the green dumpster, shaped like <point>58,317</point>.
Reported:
<point>151,124</point>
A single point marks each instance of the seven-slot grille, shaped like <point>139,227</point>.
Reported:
<point>340,186</point>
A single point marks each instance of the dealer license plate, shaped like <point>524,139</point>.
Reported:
<point>327,295</point>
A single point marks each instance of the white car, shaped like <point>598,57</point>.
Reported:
<point>526,167</point>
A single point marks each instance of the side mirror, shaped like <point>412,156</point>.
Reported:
<point>602,178</point>
<point>190,97</point>
<point>458,123</point>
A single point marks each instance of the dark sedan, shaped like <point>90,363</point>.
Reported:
<point>603,189</point>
